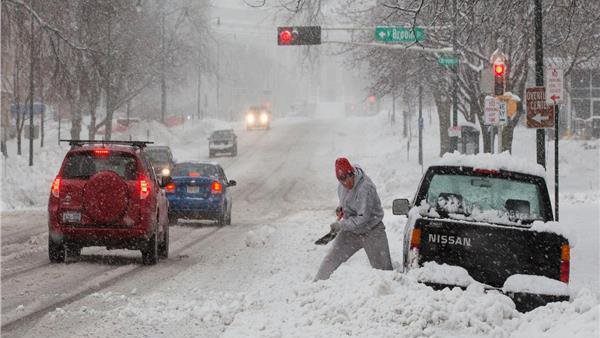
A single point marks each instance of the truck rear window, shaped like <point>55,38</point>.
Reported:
<point>497,200</point>
<point>83,165</point>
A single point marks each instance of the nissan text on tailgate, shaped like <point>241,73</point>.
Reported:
<point>491,216</point>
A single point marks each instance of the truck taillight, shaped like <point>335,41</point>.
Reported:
<point>56,187</point>
<point>216,187</point>
<point>415,239</point>
<point>565,266</point>
<point>144,187</point>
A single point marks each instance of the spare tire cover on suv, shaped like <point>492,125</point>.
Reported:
<point>105,197</point>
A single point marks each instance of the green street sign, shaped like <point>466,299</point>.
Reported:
<point>399,34</point>
<point>448,60</point>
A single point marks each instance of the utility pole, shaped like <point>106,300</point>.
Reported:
<point>393,117</point>
<point>163,82</point>
<point>454,140</point>
<point>539,78</point>
<point>198,94</point>
<point>31,91</point>
<point>421,127</point>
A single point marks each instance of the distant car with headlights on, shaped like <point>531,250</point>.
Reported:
<point>222,141</point>
<point>161,159</point>
<point>258,118</point>
<point>199,190</point>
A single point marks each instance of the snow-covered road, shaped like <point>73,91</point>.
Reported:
<point>254,278</point>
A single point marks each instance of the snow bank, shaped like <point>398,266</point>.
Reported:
<point>258,238</point>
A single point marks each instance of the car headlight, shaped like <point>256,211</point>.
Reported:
<point>250,118</point>
<point>264,118</point>
<point>166,172</point>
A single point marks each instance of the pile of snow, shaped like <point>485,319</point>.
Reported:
<point>259,237</point>
<point>442,274</point>
<point>535,284</point>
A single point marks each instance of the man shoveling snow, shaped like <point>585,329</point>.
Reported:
<point>359,223</point>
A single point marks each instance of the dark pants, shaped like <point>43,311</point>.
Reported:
<point>346,243</point>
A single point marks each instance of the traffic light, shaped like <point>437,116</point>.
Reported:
<point>299,35</point>
<point>499,69</point>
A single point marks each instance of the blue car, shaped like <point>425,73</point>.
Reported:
<point>199,190</point>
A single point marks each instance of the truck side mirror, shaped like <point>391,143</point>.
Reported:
<point>231,183</point>
<point>400,206</point>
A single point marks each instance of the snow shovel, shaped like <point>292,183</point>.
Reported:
<point>326,239</point>
<point>331,235</point>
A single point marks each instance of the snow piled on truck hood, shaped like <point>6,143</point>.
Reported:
<point>503,161</point>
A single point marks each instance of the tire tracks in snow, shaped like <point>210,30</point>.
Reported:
<point>97,282</point>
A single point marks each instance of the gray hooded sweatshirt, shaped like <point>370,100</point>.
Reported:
<point>361,205</point>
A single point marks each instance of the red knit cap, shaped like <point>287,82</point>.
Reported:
<point>343,167</point>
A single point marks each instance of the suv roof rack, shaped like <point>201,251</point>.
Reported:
<point>79,143</point>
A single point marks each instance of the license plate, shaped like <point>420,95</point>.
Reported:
<point>71,216</point>
<point>193,189</point>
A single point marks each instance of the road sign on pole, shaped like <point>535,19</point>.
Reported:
<point>554,85</point>
<point>490,111</point>
<point>486,82</point>
<point>539,114</point>
<point>502,108</point>
<point>391,34</point>
<point>448,60</point>
<point>454,131</point>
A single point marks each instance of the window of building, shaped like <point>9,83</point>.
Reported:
<point>581,108</point>
<point>596,108</point>
<point>580,78</point>
<point>596,77</point>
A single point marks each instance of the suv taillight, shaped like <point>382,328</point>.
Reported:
<point>144,187</point>
<point>55,187</point>
<point>565,259</point>
<point>216,187</point>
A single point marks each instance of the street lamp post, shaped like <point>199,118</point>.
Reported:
<point>454,140</point>
<point>163,82</point>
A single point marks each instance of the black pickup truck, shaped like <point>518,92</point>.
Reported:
<point>482,220</point>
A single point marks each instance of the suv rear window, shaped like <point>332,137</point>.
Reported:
<point>83,165</point>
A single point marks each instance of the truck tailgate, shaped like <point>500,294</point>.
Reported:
<point>490,253</point>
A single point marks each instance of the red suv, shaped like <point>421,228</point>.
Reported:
<point>106,194</point>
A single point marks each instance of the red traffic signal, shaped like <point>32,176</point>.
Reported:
<point>499,69</point>
<point>285,37</point>
<point>299,35</point>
